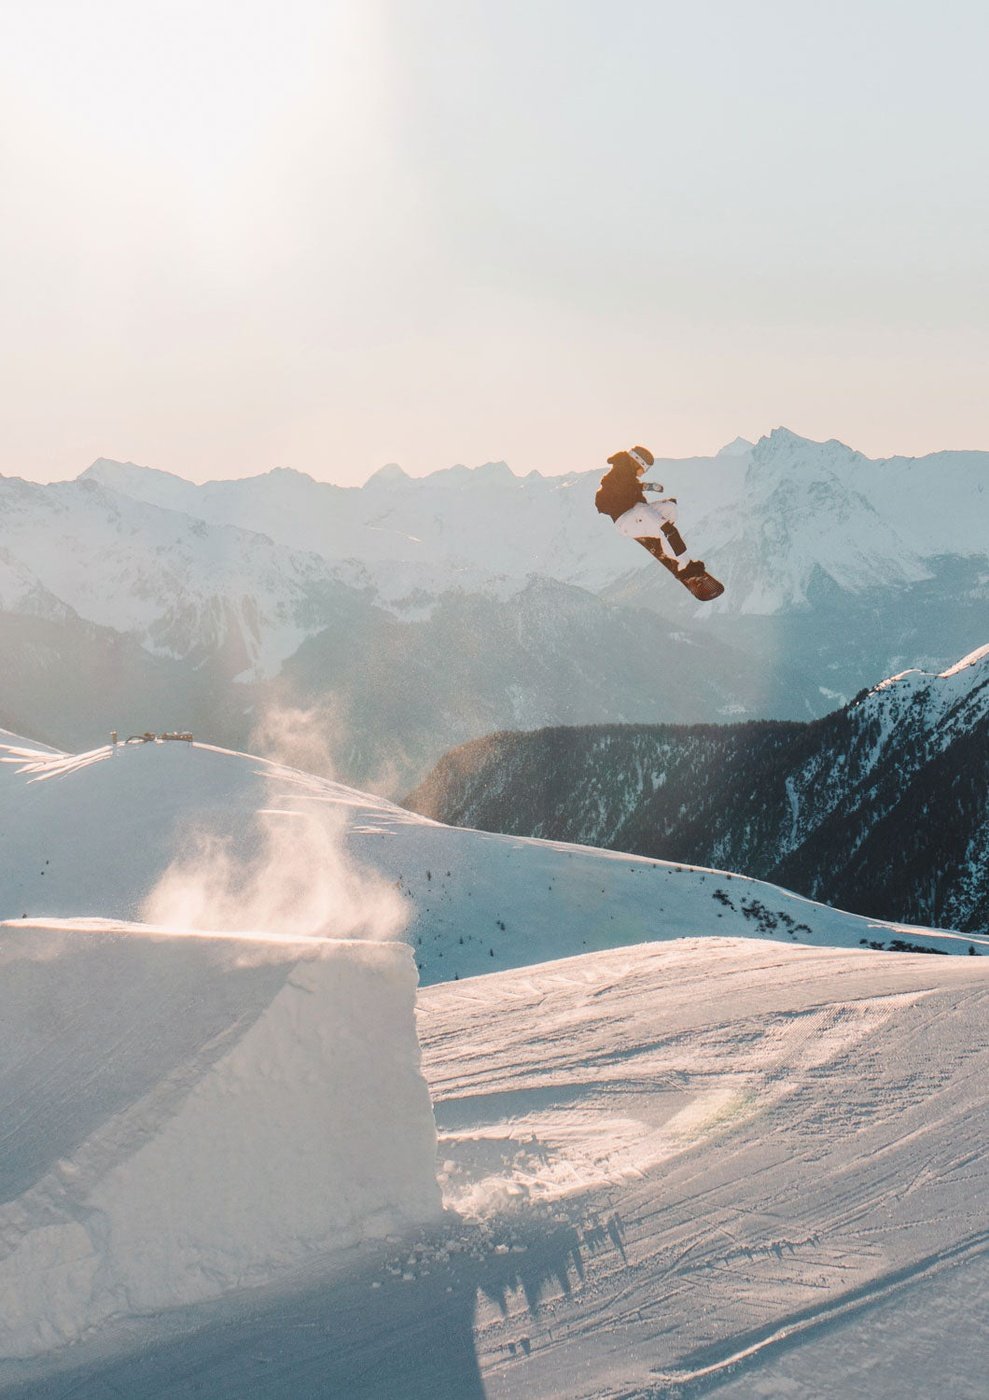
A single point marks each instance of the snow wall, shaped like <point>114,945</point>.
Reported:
<point>187,1114</point>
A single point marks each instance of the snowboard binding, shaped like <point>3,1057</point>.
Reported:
<point>693,575</point>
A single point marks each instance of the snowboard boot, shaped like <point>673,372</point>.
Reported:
<point>675,538</point>
<point>693,575</point>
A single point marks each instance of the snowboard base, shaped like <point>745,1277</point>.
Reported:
<point>704,587</point>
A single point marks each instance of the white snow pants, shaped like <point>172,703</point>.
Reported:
<point>646,521</point>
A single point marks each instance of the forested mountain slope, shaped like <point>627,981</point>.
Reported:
<point>880,807</point>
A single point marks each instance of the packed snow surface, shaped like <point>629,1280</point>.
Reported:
<point>710,1166</point>
<point>185,1115</point>
<point>665,1168</point>
<point>756,1146</point>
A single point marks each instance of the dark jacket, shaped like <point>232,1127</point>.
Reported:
<point>620,490</point>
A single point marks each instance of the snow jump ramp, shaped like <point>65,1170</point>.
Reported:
<point>189,1114</point>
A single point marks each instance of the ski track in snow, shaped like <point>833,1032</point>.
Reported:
<point>771,1157</point>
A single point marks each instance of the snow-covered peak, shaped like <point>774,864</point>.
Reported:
<point>275,479</point>
<point>391,474</point>
<point>783,447</point>
<point>738,447</point>
<point>821,508</point>
<point>936,708</point>
<point>969,675</point>
<point>975,659</point>
<point>115,474</point>
<point>803,518</point>
<point>495,472</point>
<point>288,474</point>
<point>148,484</point>
<point>462,477</point>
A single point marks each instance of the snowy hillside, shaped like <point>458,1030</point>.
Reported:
<point>183,590</point>
<point>704,1167</point>
<point>656,1161</point>
<point>939,708</point>
<point>756,1167</point>
<point>187,835</point>
<point>880,807</point>
<point>186,1116</point>
<point>21,592</point>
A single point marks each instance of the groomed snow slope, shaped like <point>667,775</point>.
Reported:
<point>705,1167</point>
<point>197,837</point>
<point>187,1115</point>
<point>756,1148</point>
<point>673,1165</point>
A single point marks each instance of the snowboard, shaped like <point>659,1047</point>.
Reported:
<point>704,587</point>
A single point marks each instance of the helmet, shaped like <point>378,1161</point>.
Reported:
<point>636,457</point>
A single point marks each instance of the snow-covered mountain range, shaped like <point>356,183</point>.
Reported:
<point>809,509</point>
<point>183,602</point>
<point>458,527</point>
<point>881,807</point>
<point>769,516</point>
<point>220,595</point>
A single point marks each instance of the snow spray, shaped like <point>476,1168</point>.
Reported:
<point>290,874</point>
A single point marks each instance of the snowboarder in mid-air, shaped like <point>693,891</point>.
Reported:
<point>622,495</point>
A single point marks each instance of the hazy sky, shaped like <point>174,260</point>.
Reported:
<point>238,234</point>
